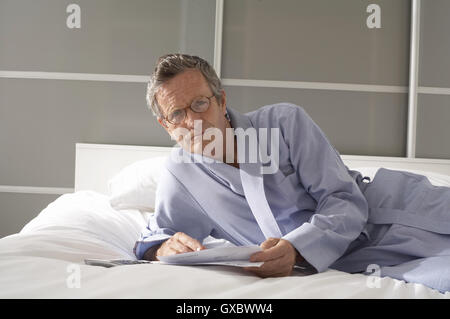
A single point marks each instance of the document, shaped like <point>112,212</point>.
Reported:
<point>115,262</point>
<point>237,256</point>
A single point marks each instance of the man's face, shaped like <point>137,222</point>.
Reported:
<point>178,93</point>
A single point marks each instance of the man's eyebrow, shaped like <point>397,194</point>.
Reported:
<point>170,109</point>
<point>174,108</point>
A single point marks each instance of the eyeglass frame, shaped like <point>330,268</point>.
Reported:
<point>165,120</point>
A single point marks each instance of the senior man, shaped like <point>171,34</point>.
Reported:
<point>287,189</point>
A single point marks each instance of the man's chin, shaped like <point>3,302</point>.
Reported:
<point>195,147</point>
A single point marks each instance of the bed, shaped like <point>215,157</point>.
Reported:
<point>103,218</point>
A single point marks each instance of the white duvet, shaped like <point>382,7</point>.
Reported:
<point>46,260</point>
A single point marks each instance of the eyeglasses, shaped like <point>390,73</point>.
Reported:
<point>198,105</point>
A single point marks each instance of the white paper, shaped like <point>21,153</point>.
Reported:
<point>230,256</point>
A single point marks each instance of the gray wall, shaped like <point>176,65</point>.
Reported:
<point>277,40</point>
<point>433,118</point>
<point>42,119</point>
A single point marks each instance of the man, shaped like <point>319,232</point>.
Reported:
<point>311,209</point>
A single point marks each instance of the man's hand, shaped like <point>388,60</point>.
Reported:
<point>279,257</point>
<point>178,244</point>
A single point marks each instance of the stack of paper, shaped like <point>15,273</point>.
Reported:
<point>231,256</point>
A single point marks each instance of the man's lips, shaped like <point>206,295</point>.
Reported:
<point>191,136</point>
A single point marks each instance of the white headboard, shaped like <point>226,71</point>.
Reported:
<point>95,164</point>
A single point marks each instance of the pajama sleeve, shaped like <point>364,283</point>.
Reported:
<point>175,211</point>
<point>342,210</point>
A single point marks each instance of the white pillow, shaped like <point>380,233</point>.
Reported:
<point>76,226</point>
<point>134,187</point>
<point>435,179</point>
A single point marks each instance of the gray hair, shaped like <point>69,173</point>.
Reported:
<point>170,65</point>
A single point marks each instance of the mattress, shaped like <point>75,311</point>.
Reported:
<point>46,260</point>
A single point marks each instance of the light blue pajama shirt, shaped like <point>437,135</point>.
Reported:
<point>332,215</point>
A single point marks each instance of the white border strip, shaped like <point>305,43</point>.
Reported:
<point>218,38</point>
<point>316,85</point>
<point>74,76</point>
<point>433,90</point>
<point>35,190</point>
<point>228,82</point>
<point>413,79</point>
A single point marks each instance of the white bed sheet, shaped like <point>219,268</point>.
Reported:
<point>44,258</point>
